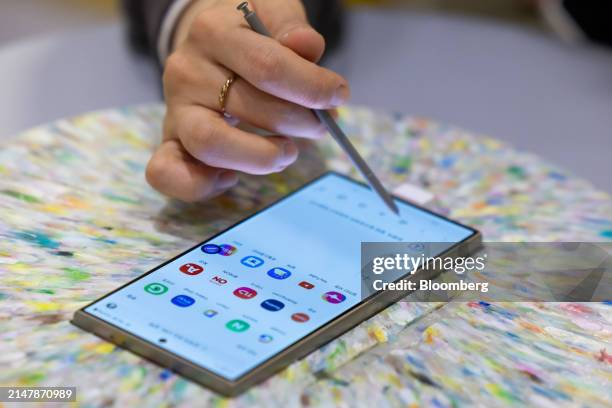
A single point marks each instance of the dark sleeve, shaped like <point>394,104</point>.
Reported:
<point>144,20</point>
<point>326,17</point>
<point>593,17</point>
<point>145,17</point>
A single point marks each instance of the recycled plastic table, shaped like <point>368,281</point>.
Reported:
<point>77,220</point>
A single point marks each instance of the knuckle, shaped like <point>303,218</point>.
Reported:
<point>204,25</point>
<point>176,70</point>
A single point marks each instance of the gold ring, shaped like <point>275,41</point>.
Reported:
<point>224,91</point>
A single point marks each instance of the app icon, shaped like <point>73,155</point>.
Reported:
<point>227,250</point>
<point>306,285</point>
<point>210,249</point>
<point>333,297</point>
<point>300,317</point>
<point>111,305</point>
<point>210,313</point>
<point>156,288</point>
<point>183,300</point>
<point>218,280</point>
<point>272,305</point>
<point>191,269</point>
<point>279,273</point>
<point>237,325</point>
<point>252,261</point>
<point>265,338</point>
<point>245,293</point>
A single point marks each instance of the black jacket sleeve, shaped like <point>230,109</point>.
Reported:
<point>593,17</point>
<point>145,17</point>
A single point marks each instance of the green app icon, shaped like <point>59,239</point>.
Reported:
<point>156,288</point>
<point>237,325</point>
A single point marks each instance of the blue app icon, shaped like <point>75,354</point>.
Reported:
<point>272,305</point>
<point>252,261</point>
<point>279,273</point>
<point>211,249</point>
<point>183,300</point>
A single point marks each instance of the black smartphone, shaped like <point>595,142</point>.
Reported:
<point>236,308</point>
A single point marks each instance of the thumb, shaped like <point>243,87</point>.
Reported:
<point>286,20</point>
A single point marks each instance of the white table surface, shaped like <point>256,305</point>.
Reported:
<point>516,84</point>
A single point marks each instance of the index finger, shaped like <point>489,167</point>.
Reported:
<point>279,71</point>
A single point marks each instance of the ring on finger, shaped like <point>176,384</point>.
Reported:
<point>224,93</point>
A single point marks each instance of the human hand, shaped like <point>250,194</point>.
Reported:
<point>277,83</point>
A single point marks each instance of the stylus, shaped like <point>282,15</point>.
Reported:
<point>331,125</point>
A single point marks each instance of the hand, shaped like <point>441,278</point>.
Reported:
<point>277,81</point>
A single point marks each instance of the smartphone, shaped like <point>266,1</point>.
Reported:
<point>238,307</point>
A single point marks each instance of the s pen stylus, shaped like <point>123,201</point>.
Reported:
<point>331,124</point>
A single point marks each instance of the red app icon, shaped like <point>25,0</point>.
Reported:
<point>218,280</point>
<point>191,269</point>
<point>306,285</point>
<point>300,317</point>
<point>245,293</point>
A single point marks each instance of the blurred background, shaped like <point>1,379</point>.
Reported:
<point>20,19</point>
<point>506,68</point>
<point>24,18</point>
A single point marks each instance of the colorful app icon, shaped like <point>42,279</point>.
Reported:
<point>279,273</point>
<point>272,305</point>
<point>306,285</point>
<point>210,249</point>
<point>265,338</point>
<point>227,250</point>
<point>300,317</point>
<point>183,300</point>
<point>245,293</point>
<point>217,280</point>
<point>210,313</point>
<point>333,297</point>
<point>191,269</point>
<point>252,261</point>
<point>156,288</point>
<point>237,325</point>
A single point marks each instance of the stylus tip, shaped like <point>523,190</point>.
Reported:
<point>392,206</point>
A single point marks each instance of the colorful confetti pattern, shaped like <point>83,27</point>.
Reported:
<point>77,220</point>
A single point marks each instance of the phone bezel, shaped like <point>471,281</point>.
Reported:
<point>302,347</point>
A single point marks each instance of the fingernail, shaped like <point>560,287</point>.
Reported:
<point>290,152</point>
<point>227,179</point>
<point>293,28</point>
<point>341,95</point>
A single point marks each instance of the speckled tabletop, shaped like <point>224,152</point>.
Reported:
<point>77,220</point>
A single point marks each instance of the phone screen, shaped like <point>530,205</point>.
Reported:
<point>238,299</point>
